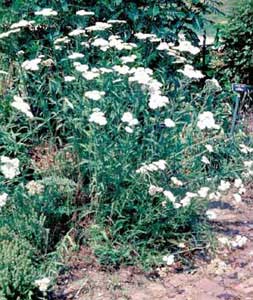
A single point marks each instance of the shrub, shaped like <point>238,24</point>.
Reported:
<point>237,44</point>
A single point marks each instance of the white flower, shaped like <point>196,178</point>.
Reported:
<point>242,190</point>
<point>129,129</point>
<point>34,187</point>
<point>203,192</point>
<point>98,117</point>
<point>186,46</point>
<point>190,72</point>
<point>144,36</point>
<point>69,78</point>
<point>116,21</point>
<point>121,69</point>
<point>237,198</point>
<point>209,148</point>
<point>128,118</point>
<point>176,181</point>
<point>205,160</point>
<point>224,240</point>
<point>22,23</point>
<point>206,121</point>
<point>161,164</point>
<point>80,67</point>
<point>155,166</point>
<point>9,167</point>
<point>239,241</point>
<point>102,43</point>
<point>64,40</point>
<point>7,33</point>
<point>211,215</point>
<point>77,32</point>
<point>238,183</point>
<point>215,196</point>
<point>213,85</point>
<point>128,59</point>
<point>185,201</point>
<point>43,284</point>
<point>3,199</point>
<point>163,46</point>
<point>224,186</point>
<point>94,95</point>
<point>169,259</point>
<point>157,101</point>
<point>22,106</point>
<point>32,65</point>
<point>46,12</point>
<point>83,12</point>
<point>90,75</point>
<point>154,190</point>
<point>245,149</point>
<point>75,55</point>
<point>169,123</point>
<point>99,26</point>
<point>248,164</point>
<point>169,195</point>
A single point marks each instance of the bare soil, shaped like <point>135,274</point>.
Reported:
<point>227,276</point>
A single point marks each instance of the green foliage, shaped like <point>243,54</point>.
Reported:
<point>165,18</point>
<point>92,174</point>
<point>237,44</point>
<point>18,270</point>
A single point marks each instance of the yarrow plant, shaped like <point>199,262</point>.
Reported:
<point>103,134</point>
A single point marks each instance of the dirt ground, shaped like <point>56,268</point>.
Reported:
<point>227,276</point>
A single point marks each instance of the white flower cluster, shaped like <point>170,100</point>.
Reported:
<point>130,120</point>
<point>94,95</point>
<point>31,65</point>
<point>76,55</point>
<point>114,41</point>
<point>206,121</point>
<point>22,106</point>
<point>9,167</point>
<point>42,284</point>
<point>46,12</point>
<point>22,23</point>
<point>190,72</point>
<point>245,149</point>
<point>154,166</point>
<point>99,26</point>
<point>83,12</point>
<point>238,242</point>
<point>98,117</point>
<point>34,188</point>
<point>77,32</point>
<point>7,33</point>
<point>3,200</point>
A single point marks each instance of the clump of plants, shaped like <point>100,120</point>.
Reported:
<point>119,132</point>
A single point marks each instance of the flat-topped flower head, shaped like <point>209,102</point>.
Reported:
<point>76,55</point>
<point>9,167</point>
<point>206,121</point>
<point>94,95</point>
<point>98,117</point>
<point>46,12</point>
<point>42,284</point>
<point>76,32</point>
<point>99,26</point>
<point>3,199</point>
<point>22,106</point>
<point>190,72</point>
<point>7,33</point>
<point>22,23</point>
<point>83,12</point>
<point>31,65</point>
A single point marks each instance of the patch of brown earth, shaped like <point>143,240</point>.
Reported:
<point>228,276</point>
